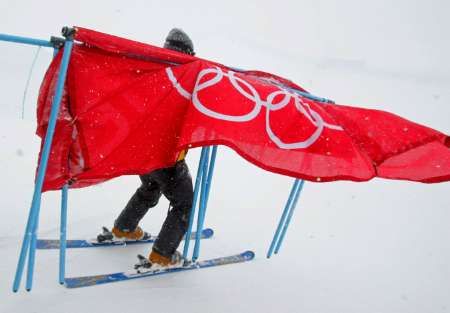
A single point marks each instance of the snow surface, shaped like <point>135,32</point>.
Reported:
<point>380,246</point>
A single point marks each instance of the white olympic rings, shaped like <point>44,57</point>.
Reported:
<point>253,95</point>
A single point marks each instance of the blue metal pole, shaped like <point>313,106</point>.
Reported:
<point>35,205</point>
<point>202,206</point>
<point>212,163</point>
<point>310,96</point>
<point>289,217</point>
<point>201,219</point>
<point>194,202</point>
<point>32,255</point>
<point>283,218</point>
<point>26,40</point>
<point>63,233</point>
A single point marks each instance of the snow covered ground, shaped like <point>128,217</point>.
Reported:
<point>380,246</point>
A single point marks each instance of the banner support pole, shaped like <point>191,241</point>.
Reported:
<point>26,40</point>
<point>31,227</point>
<point>201,208</point>
<point>289,217</point>
<point>198,181</point>
<point>283,217</point>
<point>63,234</point>
<point>206,187</point>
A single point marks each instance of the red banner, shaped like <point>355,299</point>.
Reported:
<point>129,108</point>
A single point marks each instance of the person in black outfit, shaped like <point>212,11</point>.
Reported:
<point>175,183</point>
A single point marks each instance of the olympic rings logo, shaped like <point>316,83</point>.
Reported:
<point>252,94</point>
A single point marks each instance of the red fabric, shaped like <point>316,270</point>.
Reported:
<point>129,108</point>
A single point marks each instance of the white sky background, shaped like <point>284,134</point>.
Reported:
<point>380,246</point>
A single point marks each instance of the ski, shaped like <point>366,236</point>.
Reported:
<point>79,243</point>
<point>85,281</point>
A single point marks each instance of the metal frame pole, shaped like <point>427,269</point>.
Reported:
<point>194,202</point>
<point>283,218</point>
<point>202,207</point>
<point>212,163</point>
<point>26,40</point>
<point>310,96</point>
<point>31,226</point>
<point>63,234</point>
<point>32,255</point>
<point>289,217</point>
<point>206,187</point>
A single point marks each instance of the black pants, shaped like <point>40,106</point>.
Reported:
<point>176,185</point>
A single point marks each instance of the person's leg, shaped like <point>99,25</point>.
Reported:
<point>145,197</point>
<point>176,185</point>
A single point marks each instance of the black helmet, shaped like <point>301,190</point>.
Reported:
<point>178,40</point>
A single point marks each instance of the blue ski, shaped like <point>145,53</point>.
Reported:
<point>54,243</point>
<point>85,281</point>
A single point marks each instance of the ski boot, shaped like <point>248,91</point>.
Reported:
<point>156,261</point>
<point>118,235</point>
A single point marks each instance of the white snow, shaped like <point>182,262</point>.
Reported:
<point>380,246</point>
